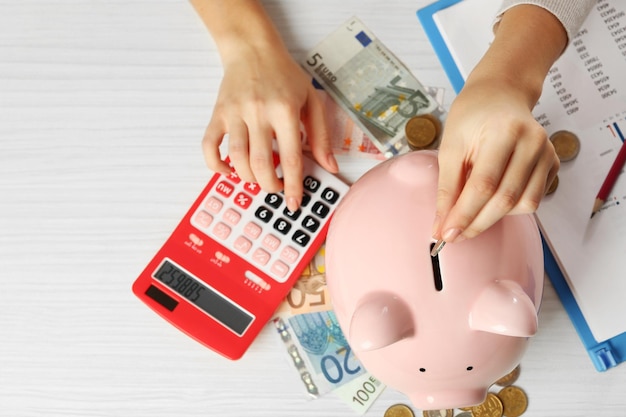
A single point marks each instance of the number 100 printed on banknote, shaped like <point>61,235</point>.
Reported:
<point>372,84</point>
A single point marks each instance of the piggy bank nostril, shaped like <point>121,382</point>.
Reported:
<point>469,368</point>
<point>422,370</point>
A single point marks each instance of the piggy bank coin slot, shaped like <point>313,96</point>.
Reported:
<point>436,268</point>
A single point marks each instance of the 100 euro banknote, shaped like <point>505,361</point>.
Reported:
<point>371,84</point>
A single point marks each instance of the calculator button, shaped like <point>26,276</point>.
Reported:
<point>330,195</point>
<point>264,214</point>
<point>279,269</point>
<point>260,256</point>
<point>224,188</point>
<point>311,184</point>
<point>271,242</point>
<point>320,209</point>
<point>300,238</point>
<point>242,244</point>
<point>293,215</point>
<point>232,217</point>
<point>289,254</point>
<point>221,231</point>
<point>310,223</point>
<point>213,204</point>
<point>243,200</point>
<point>306,199</point>
<point>203,219</point>
<point>282,226</point>
<point>252,187</point>
<point>233,177</point>
<point>252,230</point>
<point>274,200</point>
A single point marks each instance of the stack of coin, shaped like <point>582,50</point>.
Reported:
<point>423,131</point>
<point>509,401</point>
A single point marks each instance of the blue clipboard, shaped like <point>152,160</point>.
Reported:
<point>604,354</point>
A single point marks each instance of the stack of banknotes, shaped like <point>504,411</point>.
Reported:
<point>315,345</point>
<point>372,85</point>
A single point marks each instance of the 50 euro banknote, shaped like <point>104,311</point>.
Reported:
<point>374,87</point>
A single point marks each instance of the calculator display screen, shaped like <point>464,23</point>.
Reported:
<point>206,299</point>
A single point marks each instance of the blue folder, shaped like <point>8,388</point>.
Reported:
<point>604,354</point>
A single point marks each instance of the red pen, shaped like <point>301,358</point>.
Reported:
<point>611,178</point>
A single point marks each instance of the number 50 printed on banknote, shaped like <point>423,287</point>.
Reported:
<point>372,84</point>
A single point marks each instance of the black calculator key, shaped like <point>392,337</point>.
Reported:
<point>274,200</point>
<point>310,223</point>
<point>264,214</point>
<point>282,226</point>
<point>306,199</point>
<point>293,215</point>
<point>320,209</point>
<point>301,238</point>
<point>330,195</point>
<point>311,184</point>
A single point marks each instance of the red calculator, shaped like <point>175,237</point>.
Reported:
<point>234,257</point>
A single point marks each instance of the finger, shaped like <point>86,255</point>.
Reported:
<point>318,135</point>
<point>261,157</point>
<point>516,180</point>
<point>483,181</point>
<point>451,180</point>
<point>290,153</point>
<point>213,137</point>
<point>538,184</point>
<point>238,144</point>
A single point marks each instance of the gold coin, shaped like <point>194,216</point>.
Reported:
<point>552,188</point>
<point>399,410</point>
<point>566,144</point>
<point>421,131</point>
<point>438,413</point>
<point>514,401</point>
<point>491,407</point>
<point>511,377</point>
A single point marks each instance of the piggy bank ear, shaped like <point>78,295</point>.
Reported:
<point>504,308</point>
<point>380,320</point>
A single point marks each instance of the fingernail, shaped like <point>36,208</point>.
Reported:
<point>332,162</point>
<point>451,234</point>
<point>293,204</point>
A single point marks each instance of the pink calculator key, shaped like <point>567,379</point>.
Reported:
<point>225,188</point>
<point>271,242</point>
<point>260,256</point>
<point>289,255</point>
<point>203,219</point>
<point>252,230</point>
<point>221,230</point>
<point>242,244</point>
<point>243,200</point>
<point>213,204</point>
<point>279,269</point>
<point>232,217</point>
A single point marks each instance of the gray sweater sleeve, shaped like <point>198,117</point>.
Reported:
<point>570,13</point>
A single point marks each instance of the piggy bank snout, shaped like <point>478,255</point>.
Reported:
<point>447,399</point>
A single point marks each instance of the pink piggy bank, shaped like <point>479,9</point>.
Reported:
<point>439,329</point>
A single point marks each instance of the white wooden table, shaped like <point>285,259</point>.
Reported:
<point>103,104</point>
